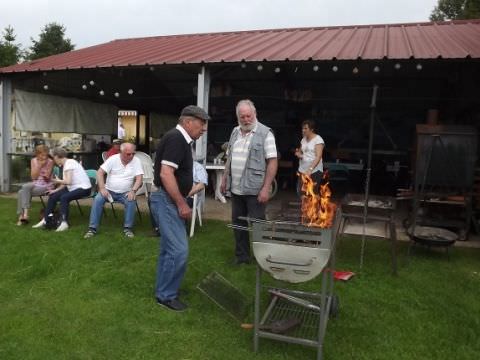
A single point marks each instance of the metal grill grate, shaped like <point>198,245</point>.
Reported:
<point>224,294</point>
<point>309,319</point>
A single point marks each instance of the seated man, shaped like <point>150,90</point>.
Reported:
<point>124,177</point>
<point>115,149</point>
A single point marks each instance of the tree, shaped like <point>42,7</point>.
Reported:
<point>456,9</point>
<point>10,53</point>
<point>472,9</point>
<point>51,41</point>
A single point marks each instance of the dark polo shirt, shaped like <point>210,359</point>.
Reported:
<point>173,150</point>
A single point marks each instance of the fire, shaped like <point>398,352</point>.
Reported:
<point>317,210</point>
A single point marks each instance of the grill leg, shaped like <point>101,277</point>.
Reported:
<point>322,323</point>
<point>393,240</point>
<point>257,309</point>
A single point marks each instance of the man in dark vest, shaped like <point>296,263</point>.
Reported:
<point>250,169</point>
<point>173,180</point>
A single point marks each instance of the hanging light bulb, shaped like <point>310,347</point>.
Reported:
<point>92,82</point>
<point>335,68</point>
<point>355,70</point>
<point>101,92</point>
<point>130,91</point>
<point>277,70</point>
<point>315,68</point>
<point>84,87</point>
<point>419,67</point>
<point>152,68</point>
<point>243,65</point>
<point>45,87</point>
<point>376,69</point>
<point>116,94</point>
<point>259,67</point>
<point>397,66</point>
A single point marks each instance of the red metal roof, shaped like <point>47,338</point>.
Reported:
<point>449,40</point>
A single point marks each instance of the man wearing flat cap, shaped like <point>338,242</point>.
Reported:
<point>173,180</point>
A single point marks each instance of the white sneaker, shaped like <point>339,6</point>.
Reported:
<point>63,226</point>
<point>40,224</point>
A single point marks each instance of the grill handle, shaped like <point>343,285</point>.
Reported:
<point>272,261</point>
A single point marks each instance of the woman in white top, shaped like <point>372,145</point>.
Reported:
<point>74,185</point>
<point>310,154</point>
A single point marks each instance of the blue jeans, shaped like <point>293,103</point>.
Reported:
<point>64,197</point>
<point>172,262</point>
<point>97,209</point>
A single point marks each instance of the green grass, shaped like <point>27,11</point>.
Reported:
<point>63,297</point>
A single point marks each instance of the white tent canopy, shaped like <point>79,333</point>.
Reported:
<point>49,113</point>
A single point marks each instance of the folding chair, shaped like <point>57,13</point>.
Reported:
<point>92,175</point>
<point>198,203</point>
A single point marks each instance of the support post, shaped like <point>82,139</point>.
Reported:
<point>5,133</point>
<point>373,106</point>
<point>203,94</point>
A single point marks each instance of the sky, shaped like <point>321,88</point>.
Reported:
<point>91,22</point>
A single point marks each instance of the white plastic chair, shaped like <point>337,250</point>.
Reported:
<point>198,202</point>
<point>147,165</point>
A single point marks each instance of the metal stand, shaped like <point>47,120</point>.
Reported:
<point>309,311</point>
<point>385,215</point>
<point>437,191</point>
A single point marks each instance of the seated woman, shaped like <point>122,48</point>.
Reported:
<point>41,167</point>
<point>74,185</point>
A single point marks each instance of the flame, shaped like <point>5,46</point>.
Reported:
<point>317,210</point>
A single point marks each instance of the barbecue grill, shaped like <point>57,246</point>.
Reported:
<point>294,253</point>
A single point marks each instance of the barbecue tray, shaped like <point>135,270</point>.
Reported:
<point>378,205</point>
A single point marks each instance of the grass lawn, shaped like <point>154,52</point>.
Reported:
<point>64,297</point>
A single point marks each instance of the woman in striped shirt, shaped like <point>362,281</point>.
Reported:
<point>41,167</point>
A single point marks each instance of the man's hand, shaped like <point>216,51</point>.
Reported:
<point>263,196</point>
<point>104,193</point>
<point>131,195</point>
<point>184,211</point>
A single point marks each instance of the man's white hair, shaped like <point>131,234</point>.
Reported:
<point>246,102</point>
<point>123,145</point>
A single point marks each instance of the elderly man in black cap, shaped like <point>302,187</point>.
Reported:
<point>173,180</point>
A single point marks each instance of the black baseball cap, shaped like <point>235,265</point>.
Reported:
<point>196,112</point>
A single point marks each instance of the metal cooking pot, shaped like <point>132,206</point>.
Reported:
<point>432,236</point>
